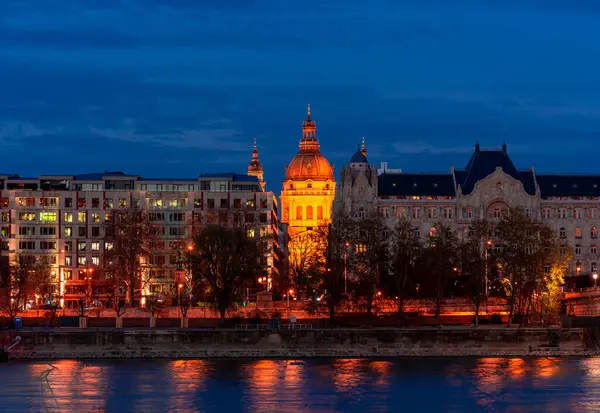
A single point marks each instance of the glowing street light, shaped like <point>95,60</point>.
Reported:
<point>595,277</point>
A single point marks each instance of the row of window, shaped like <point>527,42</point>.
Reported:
<point>496,212</point>
<point>310,212</point>
<point>562,232</point>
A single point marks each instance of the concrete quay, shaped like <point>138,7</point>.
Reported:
<point>344,343</point>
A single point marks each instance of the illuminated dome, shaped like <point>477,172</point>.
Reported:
<point>309,163</point>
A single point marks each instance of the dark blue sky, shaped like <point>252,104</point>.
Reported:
<point>180,87</point>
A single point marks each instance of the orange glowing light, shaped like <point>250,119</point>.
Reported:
<point>180,285</point>
<point>489,242</point>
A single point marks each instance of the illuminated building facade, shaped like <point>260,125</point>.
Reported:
<point>309,186</point>
<point>63,219</point>
<point>485,188</point>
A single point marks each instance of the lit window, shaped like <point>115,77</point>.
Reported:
<point>81,246</point>
<point>299,212</point>
<point>68,231</point>
<point>497,212</point>
<point>577,232</point>
<point>68,217</point>
<point>82,261</point>
<point>95,260</point>
<point>108,246</point>
<point>309,212</point>
<point>48,216</point>
<point>108,203</point>
<point>95,217</point>
<point>95,246</point>
<point>81,217</point>
<point>122,202</point>
<point>251,233</point>
<point>594,232</point>
<point>593,213</point>
<point>319,212</point>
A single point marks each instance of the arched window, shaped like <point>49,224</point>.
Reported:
<point>497,212</point>
<point>471,232</point>
<point>309,185</point>
<point>319,212</point>
<point>562,232</point>
<point>309,212</point>
<point>299,212</point>
<point>594,232</point>
<point>499,186</point>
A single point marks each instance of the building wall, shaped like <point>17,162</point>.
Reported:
<point>306,204</point>
<point>67,226</point>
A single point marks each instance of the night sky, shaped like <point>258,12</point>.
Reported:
<point>174,88</point>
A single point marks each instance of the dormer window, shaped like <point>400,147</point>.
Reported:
<point>499,186</point>
<point>309,185</point>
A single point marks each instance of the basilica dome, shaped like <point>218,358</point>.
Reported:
<point>309,163</point>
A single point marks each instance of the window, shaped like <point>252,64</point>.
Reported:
<point>26,202</point>
<point>562,213</point>
<point>47,231</point>
<point>361,213</point>
<point>448,213</point>
<point>108,203</point>
<point>416,212</point>
<point>178,217</point>
<point>497,212</point>
<point>81,217</point>
<point>562,251</point>
<point>26,231</point>
<point>81,246</point>
<point>95,231</point>
<point>68,217</point>
<point>108,246</point>
<point>68,231</point>
<point>48,245</point>
<point>528,212</point>
<point>68,260</point>
<point>95,246</point>
<point>82,203</point>
<point>251,233</point>
<point>562,232</point>
<point>95,260</point>
<point>156,216</point>
<point>108,216</point>
<point>499,186</point>
<point>593,213</point>
<point>224,203</point>
<point>529,249</point>
<point>82,261</point>
<point>470,232</point>
<point>469,213</point>
<point>417,233</point>
<point>594,268</point>
<point>400,212</point>
<point>69,246</point>
<point>577,232</point>
<point>263,217</point>
<point>593,232</point>
<point>237,203</point>
<point>68,275</point>
<point>299,212</point>
<point>122,202</point>
<point>48,216</point>
<point>360,248</point>
<point>4,231</point>
<point>546,213</point>
<point>432,213</point>
<point>593,249</point>
<point>197,203</point>
<point>96,217</point>
<point>577,249</point>
<point>319,212</point>
<point>26,216</point>
<point>81,231</point>
<point>95,202</point>
<point>309,212</point>
<point>263,203</point>
<point>26,245</point>
<point>176,231</point>
<point>309,185</point>
<point>250,203</point>
<point>68,202</point>
<point>578,213</point>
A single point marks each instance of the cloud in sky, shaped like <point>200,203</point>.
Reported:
<point>185,85</point>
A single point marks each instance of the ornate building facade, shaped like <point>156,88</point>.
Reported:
<point>309,186</point>
<point>485,188</point>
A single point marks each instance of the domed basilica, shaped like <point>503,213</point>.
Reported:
<point>309,185</point>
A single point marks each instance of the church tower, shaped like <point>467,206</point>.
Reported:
<point>255,168</point>
<point>309,186</point>
<point>356,195</point>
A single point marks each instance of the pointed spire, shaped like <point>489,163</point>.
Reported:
<point>363,150</point>
<point>504,147</point>
<point>309,138</point>
<point>476,146</point>
<point>308,111</point>
<point>255,151</point>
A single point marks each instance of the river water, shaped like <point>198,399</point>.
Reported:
<point>318,385</point>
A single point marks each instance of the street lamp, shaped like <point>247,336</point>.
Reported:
<point>346,245</point>
<point>488,244</point>
<point>595,277</point>
<point>290,292</point>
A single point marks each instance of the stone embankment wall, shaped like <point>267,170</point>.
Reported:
<point>582,303</point>
<point>190,343</point>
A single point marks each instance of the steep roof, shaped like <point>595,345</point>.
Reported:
<point>483,163</point>
<point>359,157</point>
<point>569,185</point>
<point>416,185</point>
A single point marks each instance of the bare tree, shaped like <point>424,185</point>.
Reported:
<point>227,260</point>
<point>130,236</point>
<point>405,251</point>
<point>306,258</point>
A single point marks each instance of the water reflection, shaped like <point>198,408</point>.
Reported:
<point>343,385</point>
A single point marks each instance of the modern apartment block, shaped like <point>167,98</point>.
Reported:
<point>63,219</point>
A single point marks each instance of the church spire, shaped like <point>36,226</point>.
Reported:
<point>255,168</point>
<point>363,150</point>
<point>309,142</point>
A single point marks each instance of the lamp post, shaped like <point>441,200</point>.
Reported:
<point>288,302</point>
<point>595,277</point>
<point>346,245</point>
<point>487,247</point>
<point>190,249</point>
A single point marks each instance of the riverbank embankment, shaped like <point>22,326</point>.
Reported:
<point>202,343</point>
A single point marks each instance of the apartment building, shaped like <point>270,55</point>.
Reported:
<point>62,219</point>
